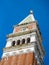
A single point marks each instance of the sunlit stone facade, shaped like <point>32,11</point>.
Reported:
<point>24,44</point>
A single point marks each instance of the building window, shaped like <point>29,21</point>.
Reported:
<point>28,40</point>
<point>18,42</point>
<point>23,41</point>
<point>13,43</point>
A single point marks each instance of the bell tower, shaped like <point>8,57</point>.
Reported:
<point>24,44</point>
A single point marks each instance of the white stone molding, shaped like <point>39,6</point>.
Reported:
<point>22,51</point>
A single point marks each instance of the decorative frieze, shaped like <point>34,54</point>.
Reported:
<point>19,51</point>
<point>19,47</point>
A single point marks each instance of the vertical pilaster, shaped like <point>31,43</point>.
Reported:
<point>21,59</point>
<point>29,58</point>
<point>14,60</point>
<point>35,61</point>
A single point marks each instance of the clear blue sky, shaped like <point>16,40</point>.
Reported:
<point>13,11</point>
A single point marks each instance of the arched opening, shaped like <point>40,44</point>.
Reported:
<point>13,43</point>
<point>18,42</point>
<point>23,41</point>
<point>28,40</point>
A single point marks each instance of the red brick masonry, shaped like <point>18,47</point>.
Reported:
<point>23,59</point>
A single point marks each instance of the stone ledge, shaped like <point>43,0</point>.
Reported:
<point>17,47</point>
<point>21,33</point>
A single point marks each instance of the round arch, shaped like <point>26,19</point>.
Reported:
<point>23,41</point>
<point>18,42</point>
<point>13,43</point>
<point>28,40</point>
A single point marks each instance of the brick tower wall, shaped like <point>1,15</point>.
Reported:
<point>22,59</point>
